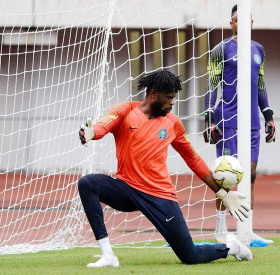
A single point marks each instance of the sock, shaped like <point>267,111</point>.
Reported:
<point>221,221</point>
<point>105,246</point>
<point>249,222</point>
<point>233,248</point>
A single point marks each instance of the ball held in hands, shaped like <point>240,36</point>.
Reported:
<point>227,171</point>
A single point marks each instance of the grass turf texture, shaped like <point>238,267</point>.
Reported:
<point>137,261</point>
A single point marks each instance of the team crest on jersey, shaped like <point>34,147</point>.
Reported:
<point>257,59</point>
<point>162,133</point>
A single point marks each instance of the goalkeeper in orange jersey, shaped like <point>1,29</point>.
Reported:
<point>143,130</point>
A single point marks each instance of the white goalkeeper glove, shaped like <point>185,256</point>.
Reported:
<point>86,132</point>
<point>233,202</point>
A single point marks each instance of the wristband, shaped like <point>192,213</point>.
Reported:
<point>221,193</point>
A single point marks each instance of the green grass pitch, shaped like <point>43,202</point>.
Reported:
<point>146,261</point>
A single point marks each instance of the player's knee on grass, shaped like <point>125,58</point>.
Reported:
<point>191,255</point>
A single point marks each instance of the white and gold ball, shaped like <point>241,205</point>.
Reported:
<point>227,171</point>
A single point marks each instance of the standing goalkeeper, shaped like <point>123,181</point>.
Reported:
<point>221,122</point>
<point>143,130</point>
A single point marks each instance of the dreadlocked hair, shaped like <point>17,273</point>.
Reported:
<point>233,10</point>
<point>162,81</point>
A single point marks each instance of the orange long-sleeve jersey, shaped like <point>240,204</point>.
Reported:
<point>142,145</point>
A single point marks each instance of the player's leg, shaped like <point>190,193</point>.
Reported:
<point>255,145</point>
<point>96,188</point>
<point>167,217</point>
<point>253,178</point>
<point>229,142</point>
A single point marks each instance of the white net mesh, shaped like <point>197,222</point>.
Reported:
<point>64,61</point>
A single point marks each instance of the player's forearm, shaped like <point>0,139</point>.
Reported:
<point>215,70</point>
<point>210,99</point>
<point>208,179</point>
<point>99,131</point>
<point>263,100</point>
<point>190,156</point>
<point>199,167</point>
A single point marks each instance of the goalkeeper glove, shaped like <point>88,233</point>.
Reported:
<point>232,201</point>
<point>269,125</point>
<point>86,132</point>
<point>212,132</point>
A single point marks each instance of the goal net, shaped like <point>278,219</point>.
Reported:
<point>65,61</point>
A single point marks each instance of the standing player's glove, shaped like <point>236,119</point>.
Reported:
<point>86,132</point>
<point>269,125</point>
<point>233,202</point>
<point>212,132</point>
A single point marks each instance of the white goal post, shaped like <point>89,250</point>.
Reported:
<point>65,61</point>
<point>244,109</point>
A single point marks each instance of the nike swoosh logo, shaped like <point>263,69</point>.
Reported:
<point>235,58</point>
<point>132,128</point>
<point>168,220</point>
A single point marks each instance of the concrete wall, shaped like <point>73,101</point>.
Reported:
<point>146,13</point>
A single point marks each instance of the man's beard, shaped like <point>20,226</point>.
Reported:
<point>157,109</point>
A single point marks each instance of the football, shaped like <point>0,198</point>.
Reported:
<point>227,171</point>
